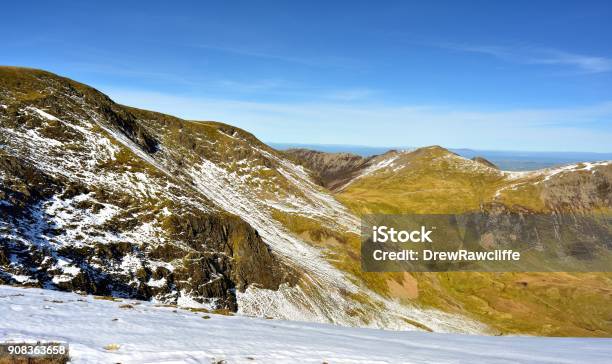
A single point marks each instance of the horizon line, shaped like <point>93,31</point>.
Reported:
<point>426,146</point>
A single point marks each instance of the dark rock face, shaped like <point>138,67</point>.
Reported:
<point>128,125</point>
<point>484,161</point>
<point>583,191</point>
<point>27,186</point>
<point>238,251</point>
<point>80,211</point>
<point>332,170</point>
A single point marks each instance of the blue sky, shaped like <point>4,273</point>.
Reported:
<point>513,75</point>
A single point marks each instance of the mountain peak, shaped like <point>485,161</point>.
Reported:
<point>485,162</point>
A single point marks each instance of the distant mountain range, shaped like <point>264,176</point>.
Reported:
<point>505,160</point>
<point>102,198</point>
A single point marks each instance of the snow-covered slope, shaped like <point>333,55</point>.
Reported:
<point>148,333</point>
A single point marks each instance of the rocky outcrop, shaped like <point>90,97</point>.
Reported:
<point>331,170</point>
<point>485,162</point>
<point>586,190</point>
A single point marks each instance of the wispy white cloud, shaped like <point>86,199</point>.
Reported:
<point>536,55</point>
<point>586,128</point>
<point>587,63</point>
<point>318,61</point>
<point>284,88</point>
<point>258,54</point>
<point>253,86</point>
<point>353,94</point>
<point>123,70</point>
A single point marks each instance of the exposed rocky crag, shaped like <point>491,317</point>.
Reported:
<point>331,170</point>
<point>485,161</point>
<point>335,170</point>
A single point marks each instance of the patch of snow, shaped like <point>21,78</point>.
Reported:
<point>156,282</point>
<point>233,136</point>
<point>518,174</point>
<point>546,174</point>
<point>42,113</point>
<point>22,278</point>
<point>35,138</point>
<point>185,300</point>
<point>130,263</point>
<point>467,164</point>
<point>382,164</point>
<point>586,166</point>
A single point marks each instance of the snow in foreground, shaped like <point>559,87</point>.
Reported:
<point>151,334</point>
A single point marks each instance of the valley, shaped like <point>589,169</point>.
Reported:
<point>105,199</point>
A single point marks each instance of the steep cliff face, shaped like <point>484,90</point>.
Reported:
<point>102,198</point>
<point>331,170</point>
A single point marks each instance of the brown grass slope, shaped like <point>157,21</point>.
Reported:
<point>433,180</point>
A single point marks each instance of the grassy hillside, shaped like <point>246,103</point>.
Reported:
<point>432,181</point>
<point>428,180</point>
